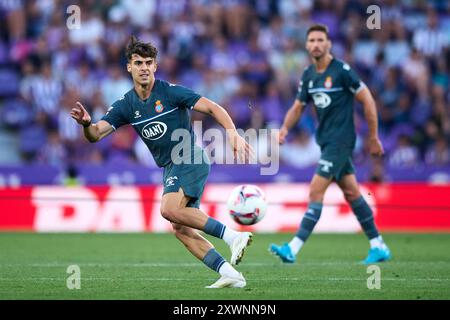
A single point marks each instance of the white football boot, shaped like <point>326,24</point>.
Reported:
<point>229,282</point>
<point>240,243</point>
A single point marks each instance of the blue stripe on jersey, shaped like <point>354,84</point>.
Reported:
<point>159,115</point>
<point>325,89</point>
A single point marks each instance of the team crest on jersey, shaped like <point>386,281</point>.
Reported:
<point>310,84</point>
<point>158,106</point>
<point>328,82</point>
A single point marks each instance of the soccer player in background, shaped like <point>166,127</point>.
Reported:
<point>155,109</point>
<point>331,84</point>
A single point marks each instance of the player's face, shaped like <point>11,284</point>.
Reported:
<point>142,69</point>
<point>317,44</point>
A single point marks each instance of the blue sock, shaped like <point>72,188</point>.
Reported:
<point>309,220</point>
<point>214,228</point>
<point>365,217</point>
<point>213,259</point>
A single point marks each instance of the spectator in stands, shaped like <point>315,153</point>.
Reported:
<point>82,80</point>
<point>116,83</point>
<point>431,41</point>
<point>438,153</point>
<point>46,90</point>
<point>416,72</point>
<point>246,43</point>
<point>302,151</point>
<point>53,151</point>
<point>405,153</point>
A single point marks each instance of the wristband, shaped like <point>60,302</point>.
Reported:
<point>87,125</point>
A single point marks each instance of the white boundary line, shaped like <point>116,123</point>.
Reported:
<point>199,264</point>
<point>206,279</point>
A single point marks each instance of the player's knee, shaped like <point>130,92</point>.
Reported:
<point>177,229</point>
<point>351,195</point>
<point>169,213</point>
<point>316,195</point>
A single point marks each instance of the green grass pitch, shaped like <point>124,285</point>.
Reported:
<point>157,266</point>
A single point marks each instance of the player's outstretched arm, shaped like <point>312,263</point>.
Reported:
<point>370,113</point>
<point>292,116</point>
<point>92,131</point>
<point>240,147</point>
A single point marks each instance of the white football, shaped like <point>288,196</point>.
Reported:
<point>247,204</point>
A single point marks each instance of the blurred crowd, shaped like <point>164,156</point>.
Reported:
<point>247,55</point>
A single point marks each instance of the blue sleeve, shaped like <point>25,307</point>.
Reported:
<point>302,92</point>
<point>183,97</point>
<point>351,80</point>
<point>115,114</point>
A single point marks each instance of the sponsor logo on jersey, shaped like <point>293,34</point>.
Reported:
<point>328,82</point>
<point>321,100</point>
<point>154,130</point>
<point>170,181</point>
<point>310,84</point>
<point>158,106</point>
<point>137,114</point>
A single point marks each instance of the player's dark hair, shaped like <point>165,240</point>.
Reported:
<point>318,27</point>
<point>146,50</point>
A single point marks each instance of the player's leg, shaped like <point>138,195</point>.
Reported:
<point>191,238</point>
<point>201,248</point>
<point>378,249</point>
<point>190,179</point>
<point>172,210</point>
<point>288,251</point>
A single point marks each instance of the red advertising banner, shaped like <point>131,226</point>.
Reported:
<point>397,207</point>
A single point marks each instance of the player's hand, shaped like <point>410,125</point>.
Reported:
<point>375,147</point>
<point>282,135</point>
<point>80,115</point>
<point>241,149</point>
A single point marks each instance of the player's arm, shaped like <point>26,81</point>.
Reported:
<point>295,111</point>
<point>292,117</point>
<point>92,131</point>
<point>364,97</point>
<point>204,105</point>
<point>239,145</point>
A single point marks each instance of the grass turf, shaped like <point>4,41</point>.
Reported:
<point>157,266</point>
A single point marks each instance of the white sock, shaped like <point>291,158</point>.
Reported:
<point>227,270</point>
<point>229,235</point>
<point>295,245</point>
<point>377,242</point>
